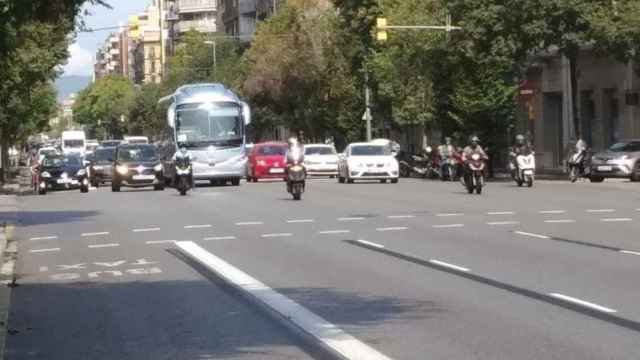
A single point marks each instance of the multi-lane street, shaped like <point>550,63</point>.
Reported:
<point>417,270</point>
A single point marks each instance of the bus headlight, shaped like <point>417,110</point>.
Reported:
<point>122,170</point>
<point>157,168</point>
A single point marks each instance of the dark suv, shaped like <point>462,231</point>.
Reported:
<point>137,165</point>
<point>101,165</point>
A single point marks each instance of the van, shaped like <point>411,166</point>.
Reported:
<point>74,141</point>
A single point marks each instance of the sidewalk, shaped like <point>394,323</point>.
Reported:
<point>8,257</point>
<point>20,185</point>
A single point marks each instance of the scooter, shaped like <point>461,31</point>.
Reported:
<point>524,168</point>
<point>296,175</point>
<point>184,172</point>
<point>83,179</point>
<point>473,178</point>
<point>577,166</point>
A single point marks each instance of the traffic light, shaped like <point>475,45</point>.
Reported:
<point>381,25</point>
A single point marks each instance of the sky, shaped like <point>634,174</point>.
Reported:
<point>84,48</point>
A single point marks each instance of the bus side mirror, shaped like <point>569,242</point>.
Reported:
<point>171,115</point>
<point>246,113</point>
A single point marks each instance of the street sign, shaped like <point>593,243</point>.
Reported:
<point>367,115</point>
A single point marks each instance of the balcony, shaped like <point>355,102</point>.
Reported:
<point>194,6</point>
<point>198,25</point>
<point>114,51</point>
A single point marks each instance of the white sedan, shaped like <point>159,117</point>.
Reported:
<point>367,161</point>
<point>321,160</point>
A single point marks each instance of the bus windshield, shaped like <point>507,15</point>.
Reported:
<point>206,124</point>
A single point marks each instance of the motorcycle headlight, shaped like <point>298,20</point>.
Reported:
<point>45,174</point>
<point>157,168</point>
<point>81,172</point>
<point>122,169</point>
<point>475,157</point>
<point>64,175</point>
<point>296,168</point>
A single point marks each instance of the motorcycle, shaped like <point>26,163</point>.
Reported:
<point>184,172</point>
<point>524,168</point>
<point>473,178</point>
<point>577,165</point>
<point>450,167</point>
<point>296,175</point>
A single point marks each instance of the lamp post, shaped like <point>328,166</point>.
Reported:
<point>215,58</point>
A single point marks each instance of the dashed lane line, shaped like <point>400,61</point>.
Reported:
<point>596,211</point>
<point>560,221</point>
<point>376,245</point>
<point>449,266</point>
<point>630,252</point>
<point>101,233</point>
<point>583,303</point>
<point>330,232</point>
<point>350,219</point>
<point>248,223</point>
<point>36,251</point>
<point>552,211</point>
<point>99,246</point>
<point>448,226</point>
<point>275,235</point>
<point>146,229</point>
<point>500,213</point>
<point>154,242</point>
<point>393,228</point>
<point>449,214</point>
<point>616,219</point>
<point>340,343</point>
<point>219,238</point>
<point>501,223</point>
<point>532,235</point>
<point>43,238</point>
<point>401,216</point>
<point>299,221</point>
<point>204,226</point>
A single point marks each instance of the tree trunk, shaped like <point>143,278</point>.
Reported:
<point>573,71</point>
<point>4,156</point>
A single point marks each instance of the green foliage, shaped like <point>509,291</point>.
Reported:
<point>146,117</point>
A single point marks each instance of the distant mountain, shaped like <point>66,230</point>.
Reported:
<point>66,85</point>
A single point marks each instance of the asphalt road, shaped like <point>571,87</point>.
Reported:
<point>417,270</point>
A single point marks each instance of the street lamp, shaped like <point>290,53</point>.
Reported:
<point>215,58</point>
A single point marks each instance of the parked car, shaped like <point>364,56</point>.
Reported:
<point>59,171</point>
<point>266,161</point>
<point>621,160</point>
<point>137,165</point>
<point>367,161</point>
<point>101,165</point>
<point>321,160</point>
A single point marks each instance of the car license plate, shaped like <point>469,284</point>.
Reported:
<point>605,168</point>
<point>276,171</point>
<point>62,181</point>
<point>528,172</point>
<point>144,177</point>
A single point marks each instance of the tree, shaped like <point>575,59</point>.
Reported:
<point>146,117</point>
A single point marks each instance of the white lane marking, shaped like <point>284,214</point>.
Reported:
<point>276,235</point>
<point>245,223</point>
<point>204,226</point>
<point>152,242</point>
<point>329,232</point>
<point>102,233</point>
<point>43,238</point>
<point>44,268</point>
<point>449,214</point>
<point>350,219</point>
<point>583,303</point>
<point>552,211</point>
<point>396,228</point>
<point>369,243</point>
<point>219,238</point>
<point>329,334</point>
<point>630,252</point>
<point>531,235</point>
<point>500,213</point>
<point>616,219</point>
<point>497,223</point>
<point>401,216</point>
<point>44,250</point>
<point>560,221</point>
<point>447,226</point>
<point>98,246</point>
<point>449,266</point>
<point>296,221</point>
<point>146,229</point>
<point>600,210</point>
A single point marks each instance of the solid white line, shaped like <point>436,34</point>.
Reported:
<point>98,246</point>
<point>327,232</point>
<point>276,235</point>
<point>560,221</point>
<point>146,230</point>
<point>401,216</point>
<point>446,226</point>
<point>583,303</point>
<point>450,266</point>
<point>300,221</point>
<point>630,252</point>
<point>450,214</point>
<point>44,250</point>
<point>500,213</point>
<point>95,234</point>
<point>43,238</point>
<point>369,243</point>
<point>600,210</point>
<point>197,226</point>
<point>531,234</point>
<point>397,228</point>
<point>503,223</point>
<point>151,242</point>
<point>616,219</point>
<point>350,218</point>
<point>219,238</point>
<point>552,212</point>
<point>249,223</point>
<point>329,334</point>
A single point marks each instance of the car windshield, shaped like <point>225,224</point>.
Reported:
<point>206,124</point>
<point>629,146</point>
<point>104,154</point>
<point>319,150</point>
<point>55,161</point>
<point>109,143</point>
<point>137,153</point>
<point>271,150</point>
<point>73,143</point>
<point>370,150</point>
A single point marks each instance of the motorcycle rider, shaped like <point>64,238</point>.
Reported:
<point>473,148</point>
<point>520,147</point>
<point>446,152</point>
<point>183,153</point>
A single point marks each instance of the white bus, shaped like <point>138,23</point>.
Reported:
<point>136,139</point>
<point>74,141</point>
<point>210,121</point>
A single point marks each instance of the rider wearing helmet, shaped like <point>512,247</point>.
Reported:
<point>473,147</point>
<point>295,152</point>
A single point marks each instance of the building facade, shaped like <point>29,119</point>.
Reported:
<point>187,15</point>
<point>238,18</point>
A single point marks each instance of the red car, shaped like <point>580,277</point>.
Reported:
<point>266,161</point>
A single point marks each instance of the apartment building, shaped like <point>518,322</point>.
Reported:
<point>186,15</point>
<point>238,18</point>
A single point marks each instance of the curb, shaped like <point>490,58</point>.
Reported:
<point>8,258</point>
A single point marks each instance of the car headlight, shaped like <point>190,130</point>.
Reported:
<point>261,163</point>
<point>81,172</point>
<point>624,157</point>
<point>157,168</point>
<point>64,175</point>
<point>122,169</point>
<point>45,174</point>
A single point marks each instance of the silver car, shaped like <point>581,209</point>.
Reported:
<point>621,160</point>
